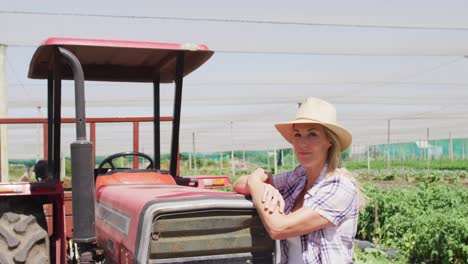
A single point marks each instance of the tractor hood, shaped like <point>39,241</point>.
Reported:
<point>131,198</point>
<point>152,223</point>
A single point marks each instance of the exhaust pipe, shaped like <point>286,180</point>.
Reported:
<point>82,162</point>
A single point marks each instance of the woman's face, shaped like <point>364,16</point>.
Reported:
<point>310,144</point>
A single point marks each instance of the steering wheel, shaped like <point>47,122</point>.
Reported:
<point>109,160</point>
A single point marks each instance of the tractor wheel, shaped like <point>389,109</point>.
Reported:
<point>22,240</point>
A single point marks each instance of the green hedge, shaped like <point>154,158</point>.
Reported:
<point>427,223</point>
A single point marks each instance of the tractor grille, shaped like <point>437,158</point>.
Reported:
<point>210,236</point>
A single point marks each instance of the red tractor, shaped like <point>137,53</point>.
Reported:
<point>125,215</point>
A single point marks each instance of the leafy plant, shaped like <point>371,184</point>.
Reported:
<point>427,223</point>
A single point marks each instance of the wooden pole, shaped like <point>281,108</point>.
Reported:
<point>3,114</point>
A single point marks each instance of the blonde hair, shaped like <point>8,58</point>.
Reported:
<point>335,166</point>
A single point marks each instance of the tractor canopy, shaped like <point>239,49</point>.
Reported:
<point>121,61</point>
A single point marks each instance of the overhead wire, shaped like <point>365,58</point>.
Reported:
<point>404,78</point>
<point>226,20</point>
<point>10,65</point>
<point>269,52</point>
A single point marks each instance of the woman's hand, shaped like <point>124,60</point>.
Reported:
<point>241,184</point>
<point>258,175</point>
<point>271,198</point>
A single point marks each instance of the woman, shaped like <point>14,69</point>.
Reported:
<point>313,209</point>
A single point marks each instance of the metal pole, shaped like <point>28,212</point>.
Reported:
<point>293,159</point>
<point>428,162</point>
<point>368,158</point>
<point>282,158</point>
<point>463,150</point>
<point>268,159</point>
<point>388,146</point>
<point>233,170</point>
<point>62,166</point>
<point>221,162</point>
<point>56,106</point>
<point>92,132</point>
<point>420,151</point>
<point>3,114</point>
<point>157,122</point>
<point>177,112</point>
<point>402,154</point>
<point>450,147</point>
<point>243,155</point>
<point>190,161</point>
<point>275,160</point>
<point>194,153</point>
<point>38,132</point>
<point>136,143</point>
<point>359,154</point>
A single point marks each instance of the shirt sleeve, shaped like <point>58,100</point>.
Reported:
<point>283,181</point>
<point>280,180</point>
<point>335,199</point>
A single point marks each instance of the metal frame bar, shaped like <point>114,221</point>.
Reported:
<point>92,136</point>
<point>54,112</point>
<point>136,143</point>
<point>157,121</point>
<point>57,124</point>
<point>179,75</point>
<point>44,140</point>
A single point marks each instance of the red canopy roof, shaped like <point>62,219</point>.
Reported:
<point>126,61</point>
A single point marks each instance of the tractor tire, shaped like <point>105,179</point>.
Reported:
<point>23,240</point>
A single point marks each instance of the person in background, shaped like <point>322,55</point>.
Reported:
<point>314,208</point>
<point>40,170</point>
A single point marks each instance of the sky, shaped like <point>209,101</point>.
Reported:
<point>376,61</point>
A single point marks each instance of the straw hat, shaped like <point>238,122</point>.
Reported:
<point>316,111</point>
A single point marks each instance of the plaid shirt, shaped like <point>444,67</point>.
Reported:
<point>333,197</point>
